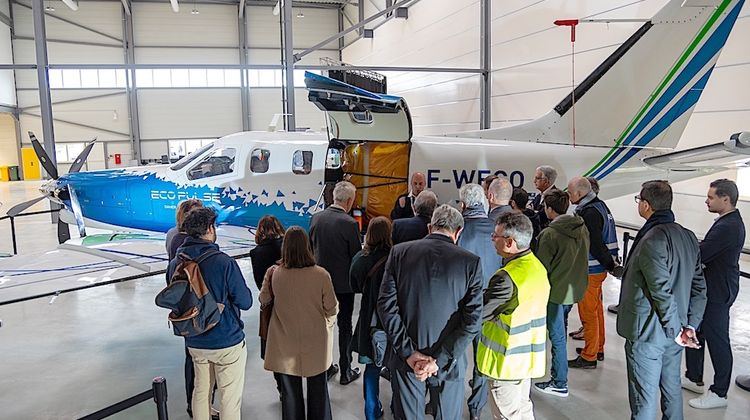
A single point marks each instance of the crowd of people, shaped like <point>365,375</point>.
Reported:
<point>497,273</point>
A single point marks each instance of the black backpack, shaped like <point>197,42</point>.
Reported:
<point>194,309</point>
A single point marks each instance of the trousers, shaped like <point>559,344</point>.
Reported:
<point>293,401</point>
<point>591,311</point>
<point>511,400</point>
<point>714,334</point>
<point>228,365</point>
<point>653,368</point>
<point>409,396</point>
<point>344,323</point>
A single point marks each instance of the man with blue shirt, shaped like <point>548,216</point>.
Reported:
<point>221,349</point>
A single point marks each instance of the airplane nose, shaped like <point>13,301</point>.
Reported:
<point>52,190</point>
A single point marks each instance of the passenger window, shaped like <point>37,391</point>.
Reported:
<point>259,160</point>
<point>333,159</point>
<point>219,162</point>
<point>302,162</point>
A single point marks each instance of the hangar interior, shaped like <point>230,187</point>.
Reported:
<point>152,84</point>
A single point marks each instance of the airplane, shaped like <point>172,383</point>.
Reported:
<point>624,134</point>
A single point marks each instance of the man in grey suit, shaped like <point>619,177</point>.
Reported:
<point>662,300</point>
<point>335,241</point>
<point>430,304</point>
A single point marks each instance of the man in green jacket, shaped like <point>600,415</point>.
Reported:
<point>563,250</point>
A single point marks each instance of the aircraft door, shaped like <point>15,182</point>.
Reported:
<point>380,170</point>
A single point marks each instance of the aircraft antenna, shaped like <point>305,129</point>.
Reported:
<point>572,23</point>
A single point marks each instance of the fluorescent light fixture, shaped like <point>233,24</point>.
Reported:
<point>195,12</point>
<point>49,8</point>
<point>72,4</point>
<point>300,15</point>
<point>277,8</point>
<point>175,6</point>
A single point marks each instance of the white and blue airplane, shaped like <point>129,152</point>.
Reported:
<point>631,112</point>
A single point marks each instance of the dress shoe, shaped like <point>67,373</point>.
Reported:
<point>576,332</point>
<point>332,371</point>
<point>613,308</point>
<point>581,363</point>
<point>349,377</point>
<point>599,356</point>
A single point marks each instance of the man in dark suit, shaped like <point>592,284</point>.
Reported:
<point>662,300</point>
<point>720,253</point>
<point>414,228</point>
<point>476,238</point>
<point>335,240</point>
<point>402,208</point>
<point>544,180</point>
<point>431,306</point>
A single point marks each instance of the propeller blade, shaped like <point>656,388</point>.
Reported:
<point>19,208</point>
<point>43,157</point>
<point>81,159</point>
<point>76,208</point>
<point>63,232</point>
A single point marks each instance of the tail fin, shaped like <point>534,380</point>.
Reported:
<point>643,94</point>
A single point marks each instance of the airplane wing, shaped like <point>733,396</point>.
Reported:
<point>97,260</point>
<point>680,165</point>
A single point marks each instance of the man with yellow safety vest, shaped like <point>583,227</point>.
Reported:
<point>511,350</point>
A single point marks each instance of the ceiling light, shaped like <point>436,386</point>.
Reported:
<point>300,15</point>
<point>49,8</point>
<point>195,12</point>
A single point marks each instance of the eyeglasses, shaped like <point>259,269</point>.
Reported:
<point>495,236</point>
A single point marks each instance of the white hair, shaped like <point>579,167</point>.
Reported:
<point>447,218</point>
<point>344,191</point>
<point>425,203</point>
<point>549,172</point>
<point>472,195</point>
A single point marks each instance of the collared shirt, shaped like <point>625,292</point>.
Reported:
<point>729,212</point>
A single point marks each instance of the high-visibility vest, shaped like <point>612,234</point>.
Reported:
<point>609,235</point>
<point>512,347</point>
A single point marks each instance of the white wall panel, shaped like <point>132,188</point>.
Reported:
<point>157,24</point>
<point>7,81</point>
<point>180,113</point>
<point>271,56</point>
<point>64,132</point>
<point>8,145</point>
<point>187,56</point>
<point>318,24</point>
<point>154,149</point>
<point>265,102</point>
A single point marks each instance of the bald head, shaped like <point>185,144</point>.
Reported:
<point>417,183</point>
<point>578,187</point>
<point>499,192</point>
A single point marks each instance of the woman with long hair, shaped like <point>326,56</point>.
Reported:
<point>300,333</point>
<point>365,276</point>
<point>268,238</point>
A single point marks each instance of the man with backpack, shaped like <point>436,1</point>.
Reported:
<point>218,344</point>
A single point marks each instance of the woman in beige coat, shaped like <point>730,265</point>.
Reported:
<point>300,335</point>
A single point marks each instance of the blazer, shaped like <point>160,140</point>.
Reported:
<point>720,254</point>
<point>409,229</point>
<point>431,301</point>
<point>477,239</point>
<point>263,256</point>
<point>663,288</point>
<point>300,334</point>
<point>538,206</point>
<point>399,212</point>
<point>335,241</point>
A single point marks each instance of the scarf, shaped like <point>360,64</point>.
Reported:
<point>660,217</point>
<point>475,212</point>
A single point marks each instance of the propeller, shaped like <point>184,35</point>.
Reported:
<point>63,234</point>
<point>43,157</point>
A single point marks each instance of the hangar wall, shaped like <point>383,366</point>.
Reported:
<point>160,37</point>
<point>531,68</point>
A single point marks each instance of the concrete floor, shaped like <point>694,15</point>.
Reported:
<point>89,349</point>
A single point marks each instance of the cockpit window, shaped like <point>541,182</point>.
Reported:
<point>219,162</point>
<point>189,158</point>
<point>302,162</point>
<point>259,160</point>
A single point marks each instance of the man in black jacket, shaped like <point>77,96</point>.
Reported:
<point>402,208</point>
<point>431,305</point>
<point>414,228</point>
<point>720,253</point>
<point>544,180</point>
<point>335,240</point>
<point>662,299</point>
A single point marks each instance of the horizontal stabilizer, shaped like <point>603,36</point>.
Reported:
<point>728,154</point>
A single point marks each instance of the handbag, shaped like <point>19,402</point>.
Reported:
<point>378,338</point>
<point>267,310</point>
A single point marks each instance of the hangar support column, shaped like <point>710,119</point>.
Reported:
<point>485,56</point>
<point>131,89</point>
<point>288,65</point>
<point>42,72</point>
<point>244,88</point>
